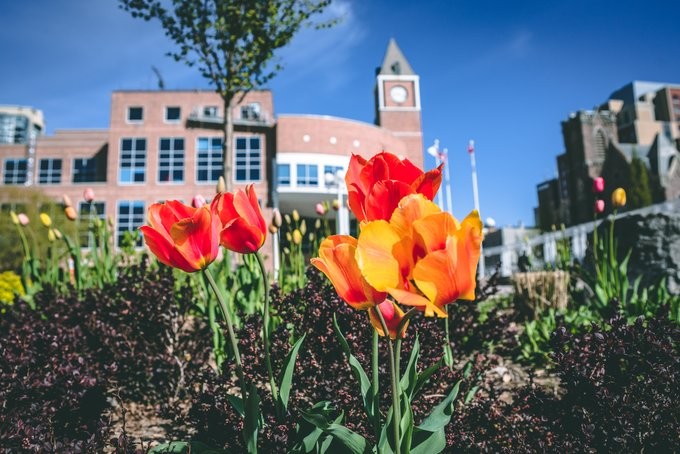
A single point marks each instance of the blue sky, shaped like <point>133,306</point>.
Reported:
<point>502,73</point>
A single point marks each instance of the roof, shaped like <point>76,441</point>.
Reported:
<point>394,62</point>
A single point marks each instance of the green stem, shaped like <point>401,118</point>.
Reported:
<point>232,336</point>
<point>396,404</point>
<point>376,382</point>
<point>265,331</point>
<point>447,347</point>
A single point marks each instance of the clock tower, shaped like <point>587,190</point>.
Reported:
<point>397,98</point>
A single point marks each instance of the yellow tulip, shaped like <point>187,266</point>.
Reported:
<point>45,219</point>
<point>297,236</point>
<point>296,215</point>
<point>619,198</point>
<point>14,217</point>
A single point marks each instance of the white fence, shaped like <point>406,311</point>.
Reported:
<point>542,249</point>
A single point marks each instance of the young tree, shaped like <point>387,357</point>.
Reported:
<point>231,42</point>
<point>639,193</point>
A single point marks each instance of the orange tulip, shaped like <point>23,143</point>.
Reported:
<point>422,257</point>
<point>181,236</point>
<point>376,186</point>
<point>337,261</point>
<point>243,226</point>
<point>392,314</point>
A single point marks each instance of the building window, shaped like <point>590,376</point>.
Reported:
<point>87,213</point>
<point>173,114</point>
<point>248,159</point>
<point>50,171</point>
<point>132,160</point>
<point>210,111</point>
<point>135,114</point>
<point>16,171</point>
<point>209,165</point>
<point>171,160</point>
<point>130,219</point>
<point>333,170</point>
<point>307,175</point>
<point>251,112</point>
<point>84,170</point>
<point>283,174</point>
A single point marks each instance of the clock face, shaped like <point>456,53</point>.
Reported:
<point>398,94</point>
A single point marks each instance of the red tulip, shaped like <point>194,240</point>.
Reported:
<point>376,186</point>
<point>243,226</point>
<point>181,236</point>
<point>198,201</point>
<point>320,209</point>
<point>598,185</point>
<point>599,206</point>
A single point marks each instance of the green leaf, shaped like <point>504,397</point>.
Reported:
<point>360,375</point>
<point>287,373</point>
<point>471,394</point>
<point>184,447</point>
<point>441,414</point>
<point>409,379</point>
<point>406,425</point>
<point>237,403</point>
<point>252,419</point>
<point>355,443</point>
<point>425,375</point>
<point>425,442</point>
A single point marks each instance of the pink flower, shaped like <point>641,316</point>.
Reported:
<point>599,206</point>
<point>23,219</point>
<point>198,201</point>
<point>598,185</point>
<point>320,209</point>
<point>88,195</point>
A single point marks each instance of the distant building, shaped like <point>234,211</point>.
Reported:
<point>164,145</point>
<point>642,119</point>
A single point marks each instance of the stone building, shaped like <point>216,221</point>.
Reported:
<point>641,120</point>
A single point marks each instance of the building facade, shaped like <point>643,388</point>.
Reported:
<point>640,121</point>
<point>163,145</point>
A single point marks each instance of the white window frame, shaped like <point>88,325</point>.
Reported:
<point>127,115</point>
<point>130,220</point>
<point>171,156</point>
<point>133,160</point>
<point>15,173</point>
<point>247,159</point>
<point>50,172</point>
<point>209,167</point>
<point>165,115</point>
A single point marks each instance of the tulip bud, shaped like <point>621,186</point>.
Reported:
<point>66,201</point>
<point>619,198</point>
<point>311,236</point>
<point>57,234</point>
<point>296,216</point>
<point>286,250</point>
<point>599,206</point>
<point>221,185</point>
<point>45,219</point>
<point>303,227</point>
<point>70,213</point>
<point>23,219</point>
<point>598,185</point>
<point>276,218</point>
<point>320,209</point>
<point>198,201</point>
<point>289,237</point>
<point>273,229</point>
<point>88,195</point>
<point>336,205</point>
<point>109,221</point>
<point>51,236</point>
<point>297,236</point>
<point>317,224</point>
<point>287,218</point>
<point>14,217</point>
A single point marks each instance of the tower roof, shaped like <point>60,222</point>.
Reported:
<point>394,62</point>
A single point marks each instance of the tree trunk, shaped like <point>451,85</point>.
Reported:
<point>228,143</point>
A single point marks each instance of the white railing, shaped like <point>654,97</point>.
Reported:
<point>577,236</point>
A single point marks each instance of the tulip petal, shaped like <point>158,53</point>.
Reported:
<point>431,232</point>
<point>392,314</point>
<point>164,250</point>
<point>416,300</point>
<point>469,248</point>
<point>428,183</point>
<point>242,237</point>
<point>337,261</point>
<point>384,198</point>
<point>375,257</point>
<point>410,209</point>
<point>195,238</point>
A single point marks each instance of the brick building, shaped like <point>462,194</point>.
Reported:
<point>163,145</point>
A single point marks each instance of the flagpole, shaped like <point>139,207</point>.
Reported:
<point>475,194</point>
<point>449,200</point>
